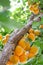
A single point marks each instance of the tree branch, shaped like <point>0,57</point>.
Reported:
<point>14,38</point>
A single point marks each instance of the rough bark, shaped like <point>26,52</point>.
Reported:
<point>14,38</point>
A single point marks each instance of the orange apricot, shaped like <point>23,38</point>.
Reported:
<point>34,50</point>
<point>14,59</point>
<point>31,36</point>
<point>0,37</point>
<point>31,8</point>
<point>23,58</point>
<point>4,41</point>
<point>22,43</point>
<point>30,55</point>
<point>37,32</point>
<point>34,8</point>
<point>31,30</point>
<point>41,26</point>
<point>36,11</point>
<point>9,63</point>
<point>19,50</point>
<point>27,46</point>
<point>7,36</point>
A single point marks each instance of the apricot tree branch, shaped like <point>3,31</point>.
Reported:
<point>14,38</point>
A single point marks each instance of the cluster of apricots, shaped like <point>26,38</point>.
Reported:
<point>23,51</point>
<point>34,8</point>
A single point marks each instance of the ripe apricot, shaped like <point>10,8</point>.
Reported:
<point>31,8</point>
<point>34,8</point>
<point>4,41</point>
<point>22,43</point>
<point>27,46</point>
<point>30,55</point>
<point>31,30</point>
<point>14,59</point>
<point>41,26</point>
<point>19,50</point>
<point>23,58</point>
<point>36,11</point>
<point>7,36</point>
<point>0,37</point>
<point>37,32</point>
<point>9,63</point>
<point>34,50</point>
<point>31,36</point>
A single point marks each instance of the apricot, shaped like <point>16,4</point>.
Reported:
<point>31,8</point>
<point>34,8</point>
<point>36,11</point>
<point>23,58</point>
<point>30,55</point>
<point>16,59</point>
<point>27,46</point>
<point>0,37</point>
<point>41,26</point>
<point>19,50</point>
<point>31,30</point>
<point>31,36</point>
<point>7,36</point>
<point>37,32</point>
<point>9,63</point>
<point>22,43</point>
<point>4,41</point>
<point>34,50</point>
